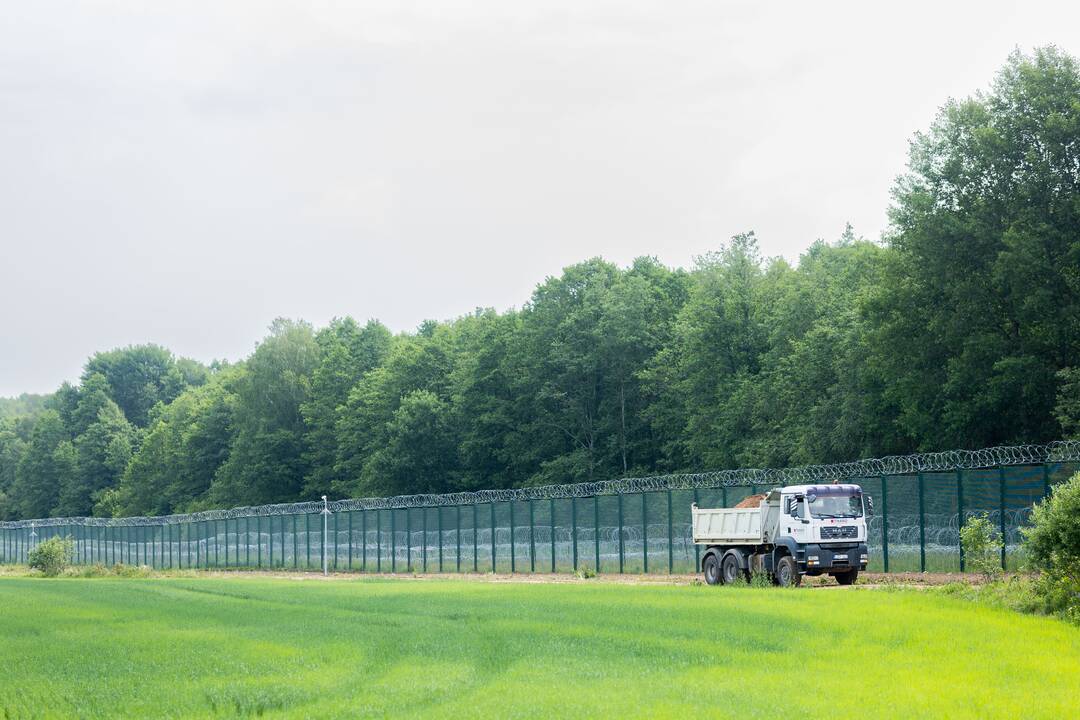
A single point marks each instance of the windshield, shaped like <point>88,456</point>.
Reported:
<point>836,506</point>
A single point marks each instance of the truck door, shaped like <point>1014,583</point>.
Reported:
<point>795,520</point>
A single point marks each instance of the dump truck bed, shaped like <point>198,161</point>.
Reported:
<point>727,526</point>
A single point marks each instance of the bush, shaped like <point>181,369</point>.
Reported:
<point>761,579</point>
<point>52,556</point>
<point>982,546</point>
<point>1052,543</point>
<point>1053,540</point>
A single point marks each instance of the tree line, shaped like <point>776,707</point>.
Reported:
<point>960,329</point>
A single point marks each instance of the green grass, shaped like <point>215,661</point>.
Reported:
<point>225,647</point>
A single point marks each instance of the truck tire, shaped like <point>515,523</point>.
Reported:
<point>848,578</point>
<point>711,567</point>
<point>787,572</point>
<point>730,572</point>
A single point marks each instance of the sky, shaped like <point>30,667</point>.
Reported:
<point>184,172</point>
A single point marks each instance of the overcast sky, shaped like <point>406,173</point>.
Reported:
<point>184,172</point>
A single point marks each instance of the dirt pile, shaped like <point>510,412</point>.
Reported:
<point>751,502</point>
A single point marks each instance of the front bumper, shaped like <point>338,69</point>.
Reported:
<point>833,557</point>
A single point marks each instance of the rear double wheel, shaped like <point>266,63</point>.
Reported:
<point>730,572</point>
<point>711,568</point>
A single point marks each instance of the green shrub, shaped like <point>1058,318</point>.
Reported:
<point>52,556</point>
<point>132,571</point>
<point>585,572</point>
<point>760,579</point>
<point>1053,539</point>
<point>89,571</point>
<point>982,546</point>
<point>1052,543</point>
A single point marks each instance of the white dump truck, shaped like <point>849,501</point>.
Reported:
<point>795,531</point>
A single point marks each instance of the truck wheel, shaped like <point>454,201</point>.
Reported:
<point>729,569</point>
<point>847,578</point>
<point>787,572</point>
<point>711,567</point>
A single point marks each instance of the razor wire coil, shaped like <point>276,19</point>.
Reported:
<point>894,465</point>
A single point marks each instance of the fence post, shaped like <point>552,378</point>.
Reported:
<point>573,526</point>
<point>513,554</point>
<point>697,549</point>
<point>363,543</point>
<point>438,528</point>
<point>325,528</point>
<point>408,541</point>
<point>475,541</point>
<point>1001,512</point>
<point>884,524</point>
<point>596,530</point>
<point>493,566</point>
<point>621,548</point>
<point>960,513</point>
<point>295,545</point>
<point>670,537</point>
<point>532,538</point>
<point>922,525</point>
<point>551,521</point>
<point>1046,479</point>
<point>457,513</point>
<point>644,535</point>
<point>336,531</point>
<point>378,540</point>
<point>393,540</point>
<point>350,540</point>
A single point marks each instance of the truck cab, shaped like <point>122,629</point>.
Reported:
<point>795,531</point>
<point>824,529</point>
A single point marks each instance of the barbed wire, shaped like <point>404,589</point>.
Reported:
<point>944,461</point>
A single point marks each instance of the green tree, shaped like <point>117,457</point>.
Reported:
<point>420,450</point>
<point>102,453</point>
<point>363,426</point>
<point>47,461</point>
<point>12,449</point>
<point>266,460</point>
<point>140,376</point>
<point>1067,409</point>
<point>702,382</point>
<point>980,290</point>
<point>185,445</point>
<point>347,351</point>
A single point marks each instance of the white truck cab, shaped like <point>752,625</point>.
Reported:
<point>795,530</point>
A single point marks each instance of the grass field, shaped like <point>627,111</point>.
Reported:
<point>257,646</point>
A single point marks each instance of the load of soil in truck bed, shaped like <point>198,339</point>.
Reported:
<point>751,502</point>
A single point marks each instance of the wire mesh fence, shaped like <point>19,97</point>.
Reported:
<point>637,525</point>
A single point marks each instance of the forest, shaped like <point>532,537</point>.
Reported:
<point>959,328</point>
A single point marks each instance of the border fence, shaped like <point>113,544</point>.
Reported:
<point>637,525</point>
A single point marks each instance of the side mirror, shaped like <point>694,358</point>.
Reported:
<point>869,506</point>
